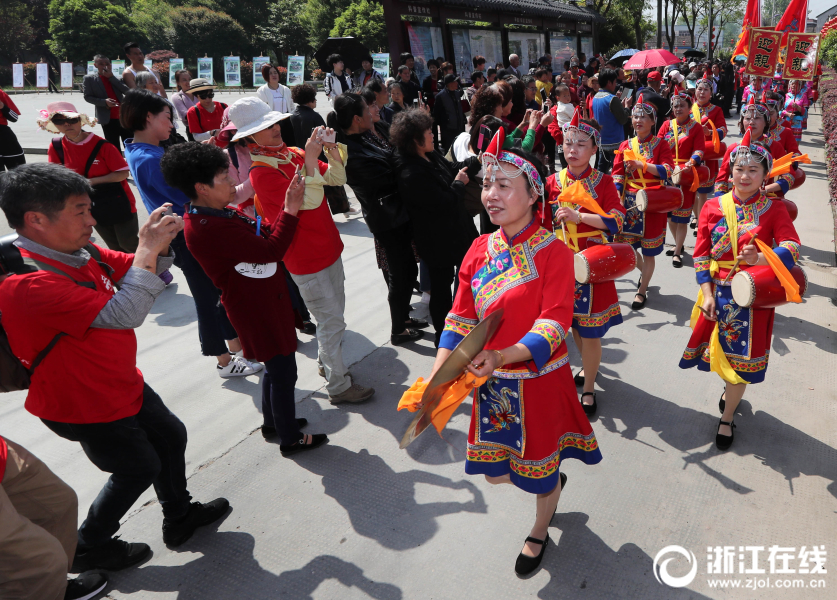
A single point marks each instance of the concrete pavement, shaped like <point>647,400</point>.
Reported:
<point>360,518</point>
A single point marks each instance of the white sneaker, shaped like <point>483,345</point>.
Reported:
<point>253,364</point>
<point>425,298</point>
<point>237,367</point>
<point>351,212</point>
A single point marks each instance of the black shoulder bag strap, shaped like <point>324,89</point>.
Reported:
<point>58,147</point>
<point>92,158</point>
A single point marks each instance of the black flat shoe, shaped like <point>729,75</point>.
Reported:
<point>693,223</point>
<point>309,328</point>
<point>639,305</point>
<point>579,378</point>
<point>670,252</point>
<point>270,432</point>
<point>722,404</point>
<point>411,336</point>
<point>694,233</point>
<point>589,409</point>
<point>723,442</point>
<point>416,323</point>
<point>317,440</point>
<point>677,261</point>
<point>526,564</point>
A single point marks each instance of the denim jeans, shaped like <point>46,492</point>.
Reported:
<point>398,247</point>
<point>146,449</point>
<point>213,325</point>
<point>278,406</point>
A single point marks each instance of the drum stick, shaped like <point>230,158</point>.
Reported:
<point>738,261</point>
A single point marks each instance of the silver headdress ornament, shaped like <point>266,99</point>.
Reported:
<point>500,160</point>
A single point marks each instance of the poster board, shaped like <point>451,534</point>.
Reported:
<point>148,63</point>
<point>463,62</point>
<point>232,71</point>
<point>205,69</point>
<point>66,74</point>
<point>487,43</point>
<point>175,65</point>
<point>380,64</point>
<point>802,54</point>
<point>296,70</point>
<point>587,46</point>
<point>91,68</point>
<point>563,48</point>
<point>528,45</point>
<point>425,44</point>
<point>41,75</point>
<point>17,75</point>
<point>117,67</point>
<point>763,52</point>
<point>258,63</point>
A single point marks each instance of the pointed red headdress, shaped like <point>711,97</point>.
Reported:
<point>745,141</point>
<point>496,145</point>
<point>576,117</point>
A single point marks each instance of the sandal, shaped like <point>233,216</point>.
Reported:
<point>639,305</point>
<point>723,442</point>
<point>589,409</point>
<point>677,261</point>
<point>579,378</point>
<point>670,252</point>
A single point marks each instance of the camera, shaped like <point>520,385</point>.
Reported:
<point>10,259</point>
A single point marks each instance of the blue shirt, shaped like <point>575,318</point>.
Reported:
<point>144,163</point>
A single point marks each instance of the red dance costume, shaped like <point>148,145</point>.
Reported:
<point>526,418</point>
<point>643,230</point>
<point>596,305</point>
<point>689,145</point>
<point>713,113</point>
<point>723,183</point>
<point>744,333</point>
<point>782,134</point>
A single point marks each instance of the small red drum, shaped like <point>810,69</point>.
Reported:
<point>686,178</point>
<point>758,287</point>
<point>709,151</point>
<point>660,199</point>
<point>793,211</point>
<point>604,262</point>
<point>798,178</point>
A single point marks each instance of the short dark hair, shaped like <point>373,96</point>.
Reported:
<point>560,88</point>
<point>184,165</point>
<point>540,73</point>
<point>408,129</point>
<point>127,47</point>
<point>366,58</point>
<point>445,66</point>
<point>477,75</point>
<point>432,61</point>
<point>527,79</point>
<point>38,187</point>
<point>606,76</point>
<point>136,106</point>
<point>396,85</point>
<point>266,70</point>
<point>333,58</point>
<point>402,68</point>
<point>368,95</point>
<point>478,60</point>
<point>100,57</point>
<point>347,106</point>
<point>304,93</point>
<point>375,86</point>
<point>491,71</point>
<point>405,56</point>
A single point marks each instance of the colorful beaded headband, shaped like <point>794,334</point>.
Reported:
<point>743,153</point>
<point>643,108</point>
<point>495,157</point>
<point>756,107</point>
<point>769,102</point>
<point>707,79</point>
<point>681,97</point>
<point>575,123</point>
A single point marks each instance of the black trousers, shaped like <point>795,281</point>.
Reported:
<point>448,136</point>
<point>398,247</point>
<point>114,132</point>
<point>11,154</point>
<point>441,296</point>
<point>146,449</point>
<point>604,160</point>
<point>278,406</point>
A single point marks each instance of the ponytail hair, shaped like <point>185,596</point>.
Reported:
<point>347,106</point>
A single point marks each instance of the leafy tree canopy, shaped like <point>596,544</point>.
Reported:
<point>363,20</point>
<point>82,28</point>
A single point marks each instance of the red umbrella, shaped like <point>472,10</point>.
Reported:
<point>648,59</point>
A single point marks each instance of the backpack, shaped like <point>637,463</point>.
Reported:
<point>14,376</point>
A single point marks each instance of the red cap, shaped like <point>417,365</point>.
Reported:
<point>655,76</point>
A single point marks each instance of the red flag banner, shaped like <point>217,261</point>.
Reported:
<point>763,52</point>
<point>752,18</point>
<point>794,19</point>
<point>801,59</point>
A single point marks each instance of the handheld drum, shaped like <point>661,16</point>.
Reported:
<point>798,178</point>
<point>686,177</point>
<point>758,287</point>
<point>604,262</point>
<point>659,199</point>
<point>793,211</point>
<point>710,154</point>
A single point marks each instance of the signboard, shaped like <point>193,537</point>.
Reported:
<point>17,75</point>
<point>801,60</point>
<point>763,52</point>
<point>425,43</point>
<point>528,45</point>
<point>487,43</point>
<point>563,49</point>
<point>91,68</point>
<point>258,63</point>
<point>66,75</point>
<point>41,75</point>
<point>232,71</point>
<point>380,64</point>
<point>463,64</point>
<point>175,64</point>
<point>118,68</point>
<point>587,46</point>
<point>296,70</point>
<point>205,69</point>
<point>148,63</point>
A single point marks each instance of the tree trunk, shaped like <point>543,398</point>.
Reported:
<point>710,32</point>
<point>659,23</point>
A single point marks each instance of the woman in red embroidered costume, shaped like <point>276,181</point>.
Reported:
<point>714,128</point>
<point>595,305</point>
<point>688,153</point>
<point>754,119</point>
<point>779,130</point>
<point>526,417</point>
<point>642,161</point>
<point>728,339</point>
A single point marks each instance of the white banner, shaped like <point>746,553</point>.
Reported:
<point>258,63</point>
<point>175,64</point>
<point>380,63</point>
<point>66,75</point>
<point>296,70</point>
<point>42,75</point>
<point>91,68</point>
<point>232,71</point>
<point>205,69</point>
<point>117,67</point>
<point>17,75</point>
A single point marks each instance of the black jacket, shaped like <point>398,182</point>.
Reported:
<point>303,121</point>
<point>447,111</point>
<point>442,229</point>
<point>370,172</point>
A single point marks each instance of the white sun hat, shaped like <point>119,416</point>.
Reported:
<point>251,115</point>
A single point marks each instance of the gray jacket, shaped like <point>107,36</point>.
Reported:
<point>95,94</point>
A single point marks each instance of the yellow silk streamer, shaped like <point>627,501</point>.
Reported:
<point>716,139</point>
<point>695,183</point>
<point>570,196</point>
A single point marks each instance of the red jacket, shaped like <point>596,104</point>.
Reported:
<point>14,110</point>
<point>246,268</point>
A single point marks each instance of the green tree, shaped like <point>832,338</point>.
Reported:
<point>153,19</point>
<point>363,20</point>
<point>199,31</point>
<point>319,16</point>
<point>283,31</point>
<point>82,28</point>
<point>15,28</point>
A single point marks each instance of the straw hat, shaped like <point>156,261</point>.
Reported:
<point>201,85</point>
<point>61,108</point>
<point>251,115</point>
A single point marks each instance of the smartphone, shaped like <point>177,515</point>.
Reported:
<point>168,212</point>
<point>327,138</point>
<point>415,102</point>
<point>543,94</point>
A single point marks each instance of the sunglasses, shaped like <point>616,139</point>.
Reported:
<point>60,121</point>
<point>204,95</point>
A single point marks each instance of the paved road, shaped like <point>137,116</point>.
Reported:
<point>362,519</point>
